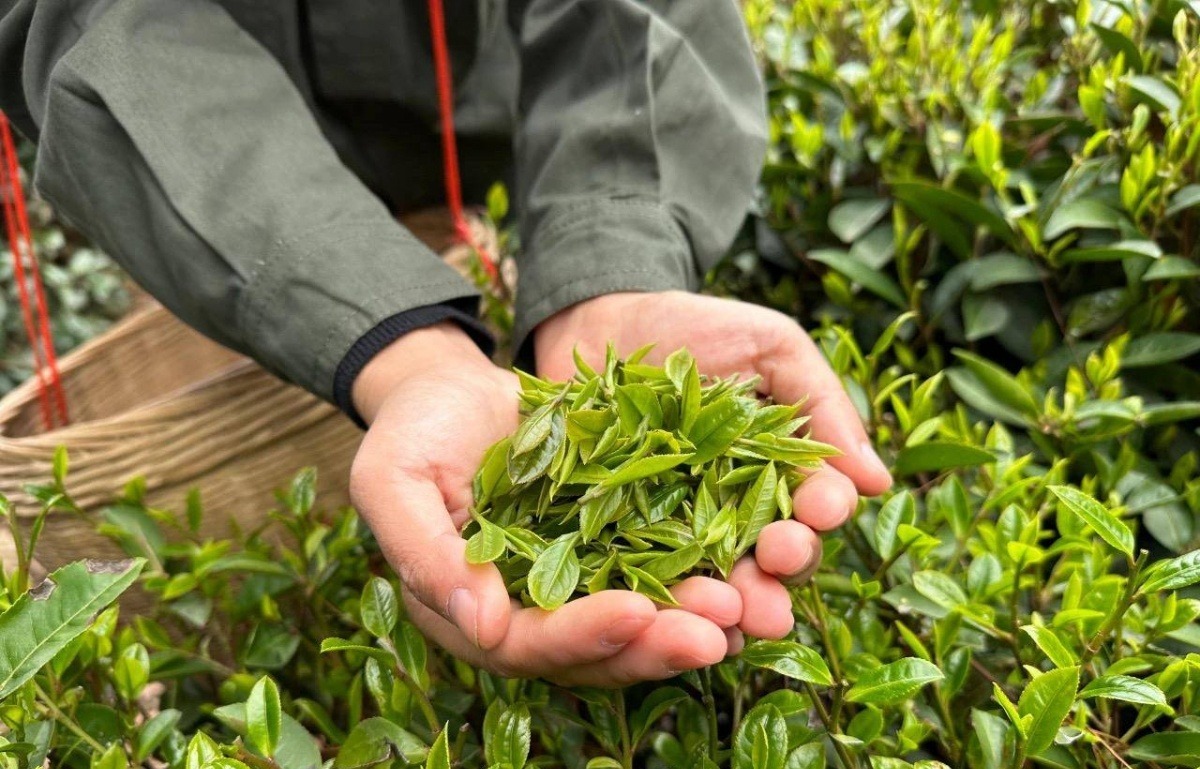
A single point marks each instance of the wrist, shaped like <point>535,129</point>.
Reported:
<point>415,354</point>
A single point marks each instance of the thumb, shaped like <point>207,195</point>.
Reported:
<point>416,534</point>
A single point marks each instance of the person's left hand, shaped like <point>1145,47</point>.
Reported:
<point>729,337</point>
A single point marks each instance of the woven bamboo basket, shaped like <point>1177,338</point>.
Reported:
<point>151,397</point>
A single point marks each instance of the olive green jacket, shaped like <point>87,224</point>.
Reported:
<point>244,159</point>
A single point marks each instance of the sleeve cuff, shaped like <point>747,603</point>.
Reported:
<point>392,328</point>
<point>579,250</point>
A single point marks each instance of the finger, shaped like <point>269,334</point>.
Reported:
<point>409,519</point>
<point>825,499</point>
<point>736,640</point>
<point>766,605</point>
<point>794,371</point>
<point>676,642</point>
<point>716,601</point>
<point>541,643</point>
<point>788,550</point>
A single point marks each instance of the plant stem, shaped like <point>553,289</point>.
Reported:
<point>65,720</point>
<point>1118,614</point>
<point>710,705</point>
<point>626,740</point>
<point>844,758</point>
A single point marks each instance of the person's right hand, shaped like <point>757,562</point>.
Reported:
<point>434,404</point>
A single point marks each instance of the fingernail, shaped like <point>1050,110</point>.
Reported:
<point>872,459</point>
<point>677,665</point>
<point>463,612</point>
<point>622,632</point>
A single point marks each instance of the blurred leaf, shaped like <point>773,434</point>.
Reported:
<point>1178,748</point>
<point>1156,349</point>
<point>851,219</point>
<point>937,456</point>
<point>1081,213</point>
<point>874,281</point>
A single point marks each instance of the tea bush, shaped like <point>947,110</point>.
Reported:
<point>85,290</point>
<point>987,213</point>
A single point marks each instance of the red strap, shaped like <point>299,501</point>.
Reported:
<point>445,86</point>
<point>34,311</point>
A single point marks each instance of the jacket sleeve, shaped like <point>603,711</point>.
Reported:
<point>641,137</point>
<point>170,137</point>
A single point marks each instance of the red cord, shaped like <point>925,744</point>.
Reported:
<point>34,311</point>
<point>445,87</point>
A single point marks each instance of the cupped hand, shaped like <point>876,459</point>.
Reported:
<point>434,404</point>
<point>728,337</point>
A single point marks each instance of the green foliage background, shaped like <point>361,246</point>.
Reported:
<point>988,215</point>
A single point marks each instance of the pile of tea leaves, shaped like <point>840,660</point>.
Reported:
<point>636,476</point>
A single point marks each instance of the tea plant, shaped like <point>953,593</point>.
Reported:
<point>85,289</point>
<point>639,473</point>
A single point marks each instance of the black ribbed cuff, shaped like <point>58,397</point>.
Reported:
<point>392,328</point>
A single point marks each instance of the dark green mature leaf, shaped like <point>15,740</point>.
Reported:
<point>1001,385</point>
<point>1156,92</point>
<point>1156,349</point>
<point>1187,197</point>
<point>761,741</point>
<point>1116,43</point>
<point>1048,699</point>
<point>1177,748</point>
<point>555,574</point>
<point>851,219</point>
<point>893,682</point>
<point>377,741</point>
<point>653,708</point>
<point>43,621</point>
<point>789,659</point>
<point>873,280</point>
<point>1113,252</point>
<point>937,456</point>
<point>1081,213</point>
<point>924,197</point>
<point>1172,268</point>
<point>296,748</point>
<point>1098,517</point>
<point>976,394</point>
